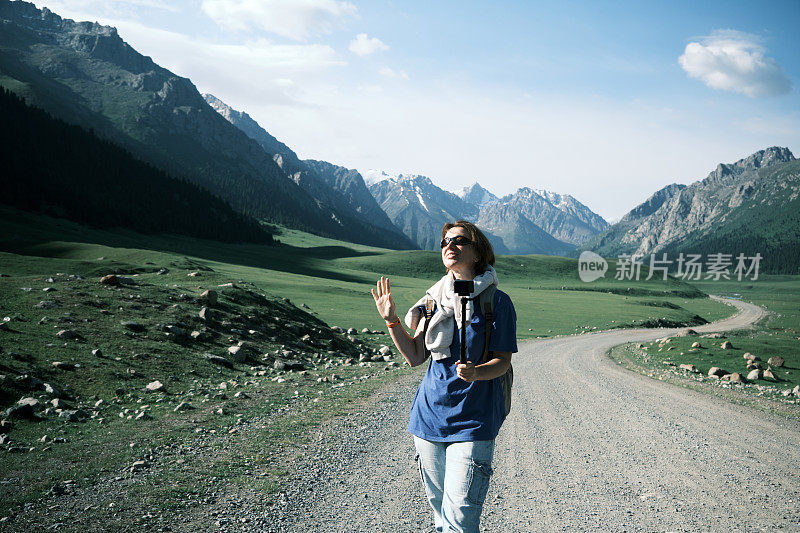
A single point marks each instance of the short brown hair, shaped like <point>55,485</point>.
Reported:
<point>483,248</point>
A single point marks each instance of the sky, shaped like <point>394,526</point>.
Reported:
<point>606,101</point>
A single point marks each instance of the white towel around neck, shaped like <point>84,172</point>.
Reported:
<point>440,331</point>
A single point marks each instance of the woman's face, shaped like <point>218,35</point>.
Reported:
<point>460,259</point>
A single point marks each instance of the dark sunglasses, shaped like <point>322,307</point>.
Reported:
<point>458,240</point>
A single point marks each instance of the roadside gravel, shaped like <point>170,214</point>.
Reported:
<point>588,446</point>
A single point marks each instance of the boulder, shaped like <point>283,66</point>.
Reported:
<point>384,350</point>
<point>110,279</point>
<point>61,365</point>
<point>726,345</point>
<point>209,297</point>
<point>776,361</point>
<point>754,375</point>
<point>352,331</point>
<point>696,345</point>
<point>733,378</point>
<point>217,360</point>
<point>716,371</point>
<point>769,375</point>
<point>336,329</point>
<point>68,334</point>
<point>205,314</point>
<point>25,408</point>
<point>183,406</point>
<point>238,353</point>
<point>155,386</point>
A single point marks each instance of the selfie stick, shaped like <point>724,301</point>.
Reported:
<point>463,288</point>
<point>464,330</point>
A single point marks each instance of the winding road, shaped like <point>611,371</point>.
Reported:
<point>588,446</point>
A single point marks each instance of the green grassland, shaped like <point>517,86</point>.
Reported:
<point>777,334</point>
<point>283,292</point>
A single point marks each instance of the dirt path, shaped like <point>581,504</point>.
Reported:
<point>588,446</point>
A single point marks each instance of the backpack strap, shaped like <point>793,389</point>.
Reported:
<point>486,299</point>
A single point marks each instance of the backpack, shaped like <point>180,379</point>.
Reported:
<point>486,302</point>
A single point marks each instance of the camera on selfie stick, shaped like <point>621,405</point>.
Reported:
<point>464,288</point>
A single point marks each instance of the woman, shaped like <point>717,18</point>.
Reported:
<point>459,408</point>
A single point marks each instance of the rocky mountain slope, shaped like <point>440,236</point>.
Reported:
<point>751,204</point>
<point>525,222</point>
<point>339,187</point>
<point>86,74</point>
<point>420,208</point>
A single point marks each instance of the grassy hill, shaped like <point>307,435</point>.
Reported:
<point>280,306</point>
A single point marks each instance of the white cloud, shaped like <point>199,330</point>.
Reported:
<point>396,74</point>
<point>295,19</point>
<point>363,45</point>
<point>734,61</point>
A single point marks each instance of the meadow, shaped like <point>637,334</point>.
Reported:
<point>279,302</point>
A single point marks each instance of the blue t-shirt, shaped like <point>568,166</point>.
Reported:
<point>449,409</point>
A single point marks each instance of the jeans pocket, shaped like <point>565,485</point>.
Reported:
<point>478,482</point>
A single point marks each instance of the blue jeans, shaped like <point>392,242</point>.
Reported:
<point>456,478</point>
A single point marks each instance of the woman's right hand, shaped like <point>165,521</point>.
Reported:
<point>383,300</point>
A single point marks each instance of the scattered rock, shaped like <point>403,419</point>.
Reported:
<point>754,375</point>
<point>143,416</point>
<point>61,365</point>
<point>716,371</point>
<point>205,314</point>
<point>193,274</point>
<point>769,375</point>
<point>183,406</point>
<point>384,350</point>
<point>733,378</point>
<point>97,352</point>
<point>217,360</point>
<point>4,326</point>
<point>696,345</point>
<point>726,345</point>
<point>776,361</point>
<point>690,368</point>
<point>366,330</point>
<point>352,331</point>
<point>138,466</point>
<point>6,425</point>
<point>209,297</point>
<point>133,326</point>
<point>68,334</point>
<point>47,304</point>
<point>110,279</point>
<point>155,386</point>
<point>336,329</point>
<point>238,353</point>
<point>25,408</point>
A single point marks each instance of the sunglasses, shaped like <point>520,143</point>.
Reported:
<point>458,240</point>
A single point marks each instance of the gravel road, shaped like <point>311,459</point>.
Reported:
<point>588,446</point>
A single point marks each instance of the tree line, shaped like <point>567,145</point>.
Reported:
<point>65,171</point>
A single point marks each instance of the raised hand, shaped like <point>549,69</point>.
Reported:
<point>383,300</point>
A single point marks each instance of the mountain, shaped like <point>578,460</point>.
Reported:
<point>84,179</point>
<point>340,188</point>
<point>476,195</point>
<point>86,74</point>
<point>420,208</point>
<point>560,215</point>
<point>750,206</point>
<point>526,222</point>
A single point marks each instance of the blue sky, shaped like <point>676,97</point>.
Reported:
<point>607,101</point>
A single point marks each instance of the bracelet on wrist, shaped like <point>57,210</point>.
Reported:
<point>392,324</point>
